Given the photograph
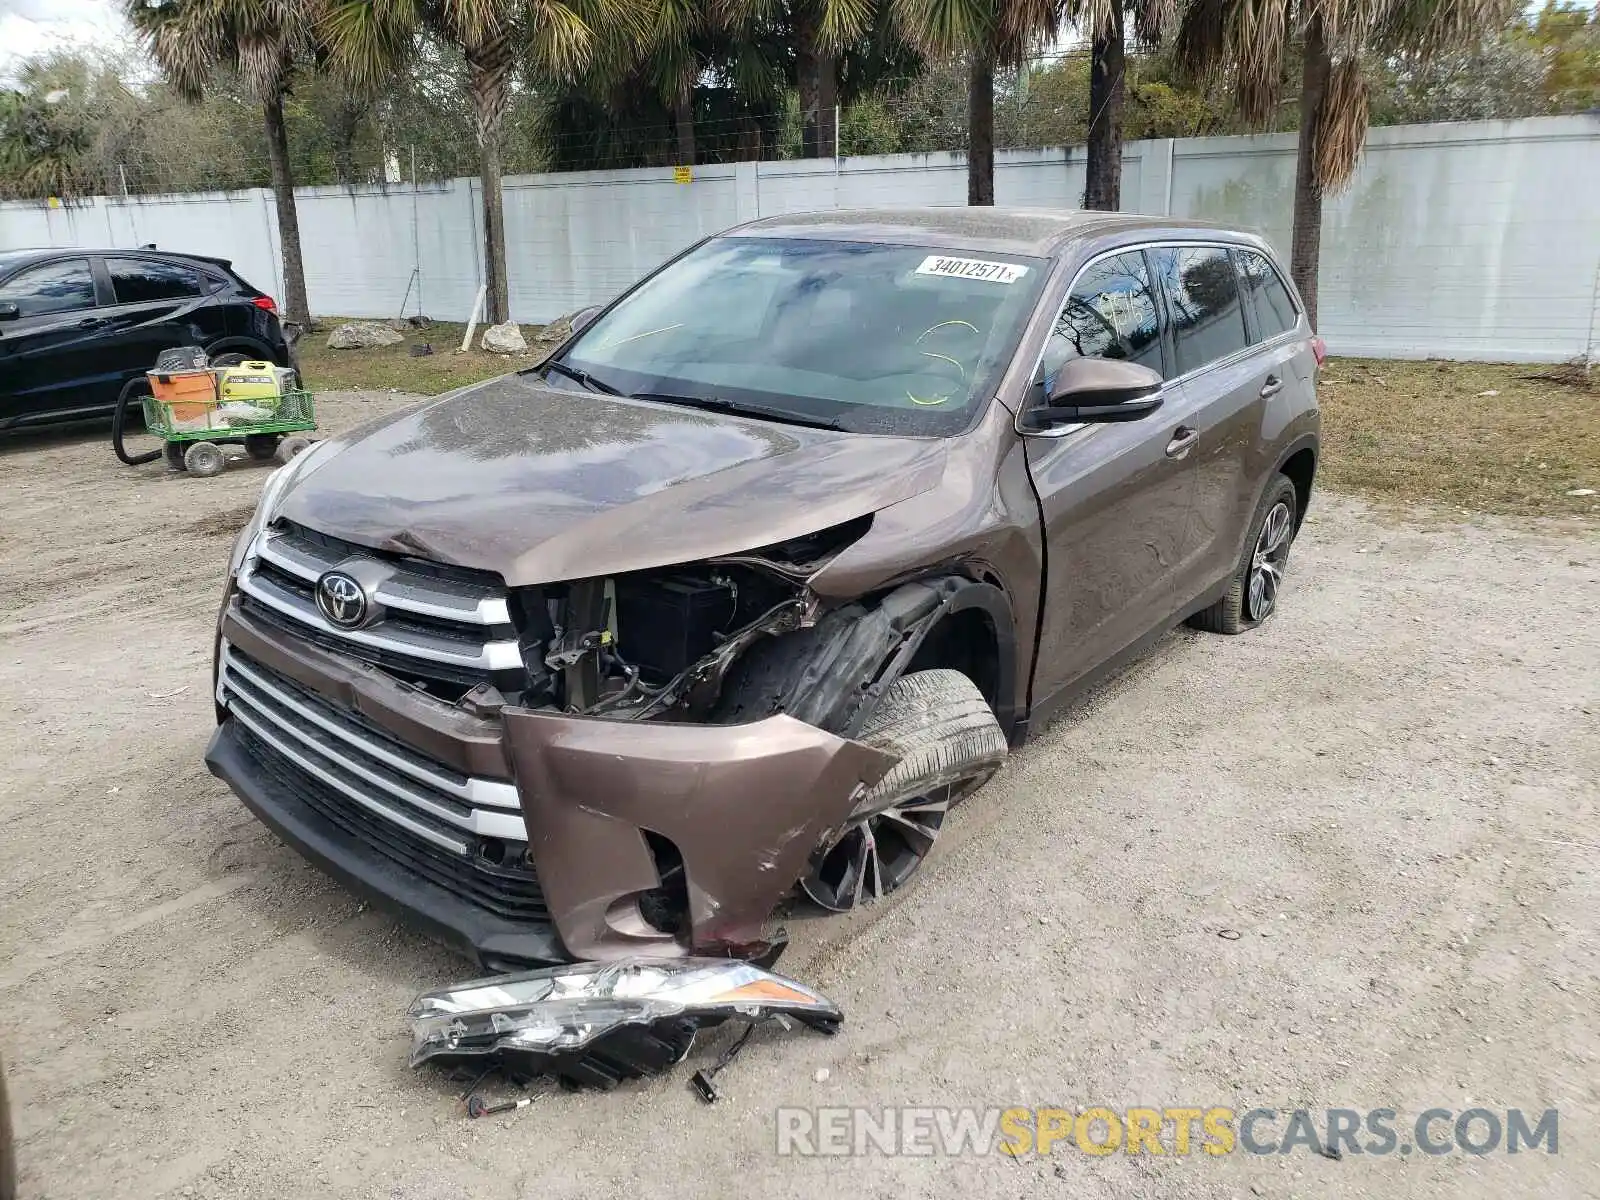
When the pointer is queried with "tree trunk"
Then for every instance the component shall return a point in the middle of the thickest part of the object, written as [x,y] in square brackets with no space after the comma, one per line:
[819,87]
[980,129]
[1306,245]
[683,119]
[1103,184]
[489,68]
[295,307]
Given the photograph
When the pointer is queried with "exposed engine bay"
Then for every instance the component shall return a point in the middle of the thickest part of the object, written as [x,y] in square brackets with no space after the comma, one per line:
[658,644]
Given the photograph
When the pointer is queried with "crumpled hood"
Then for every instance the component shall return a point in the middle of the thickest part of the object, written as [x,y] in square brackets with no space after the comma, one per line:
[538,484]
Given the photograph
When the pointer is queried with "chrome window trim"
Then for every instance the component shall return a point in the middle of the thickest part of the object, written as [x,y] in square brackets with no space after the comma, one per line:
[1300,329]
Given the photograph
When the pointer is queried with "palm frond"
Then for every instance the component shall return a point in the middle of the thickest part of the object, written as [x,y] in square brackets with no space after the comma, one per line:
[369,40]
[1259,34]
[558,38]
[1341,125]
[941,28]
[1426,28]
[843,21]
[1200,47]
[1153,20]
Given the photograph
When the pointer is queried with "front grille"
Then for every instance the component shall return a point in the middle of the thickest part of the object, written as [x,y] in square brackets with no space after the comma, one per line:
[438,625]
[463,834]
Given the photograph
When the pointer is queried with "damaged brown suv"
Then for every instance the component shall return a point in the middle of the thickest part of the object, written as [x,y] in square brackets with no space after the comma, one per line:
[761,572]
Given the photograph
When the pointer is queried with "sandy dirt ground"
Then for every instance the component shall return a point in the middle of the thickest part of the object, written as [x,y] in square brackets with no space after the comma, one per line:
[1390,793]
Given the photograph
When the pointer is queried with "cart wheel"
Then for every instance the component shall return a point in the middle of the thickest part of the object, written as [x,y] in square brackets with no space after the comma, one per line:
[204,459]
[174,452]
[291,446]
[261,446]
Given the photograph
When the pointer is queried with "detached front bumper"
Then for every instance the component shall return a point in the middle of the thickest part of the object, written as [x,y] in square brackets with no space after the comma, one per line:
[524,840]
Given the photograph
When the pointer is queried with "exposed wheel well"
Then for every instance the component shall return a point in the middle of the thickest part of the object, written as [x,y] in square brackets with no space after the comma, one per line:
[1301,468]
[964,641]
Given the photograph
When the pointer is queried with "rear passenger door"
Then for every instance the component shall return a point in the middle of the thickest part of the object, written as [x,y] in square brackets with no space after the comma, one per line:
[153,311]
[1228,385]
[46,338]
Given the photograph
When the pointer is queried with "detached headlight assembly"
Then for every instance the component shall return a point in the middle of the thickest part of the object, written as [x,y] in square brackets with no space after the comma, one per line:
[596,1024]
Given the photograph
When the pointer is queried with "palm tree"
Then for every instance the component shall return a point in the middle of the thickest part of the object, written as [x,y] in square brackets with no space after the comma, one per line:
[1107,19]
[41,155]
[266,42]
[1250,39]
[372,40]
[991,34]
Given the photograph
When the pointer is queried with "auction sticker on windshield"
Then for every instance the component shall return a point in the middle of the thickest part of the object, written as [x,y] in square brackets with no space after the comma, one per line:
[971,268]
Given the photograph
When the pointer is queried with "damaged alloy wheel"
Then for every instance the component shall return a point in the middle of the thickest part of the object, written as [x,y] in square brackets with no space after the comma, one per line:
[949,744]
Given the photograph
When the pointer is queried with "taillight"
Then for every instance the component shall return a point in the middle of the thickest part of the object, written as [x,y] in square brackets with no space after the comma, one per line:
[1320,349]
[268,304]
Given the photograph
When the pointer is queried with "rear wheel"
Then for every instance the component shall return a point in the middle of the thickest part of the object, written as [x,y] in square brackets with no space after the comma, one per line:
[949,745]
[261,446]
[1252,595]
[291,446]
[204,459]
[231,359]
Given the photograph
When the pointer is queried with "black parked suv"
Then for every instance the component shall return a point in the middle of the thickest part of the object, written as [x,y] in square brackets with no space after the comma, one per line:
[75,325]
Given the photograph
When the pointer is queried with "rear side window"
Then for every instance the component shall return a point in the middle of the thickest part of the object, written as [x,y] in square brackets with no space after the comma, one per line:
[139,279]
[1275,311]
[1111,313]
[1203,303]
[53,288]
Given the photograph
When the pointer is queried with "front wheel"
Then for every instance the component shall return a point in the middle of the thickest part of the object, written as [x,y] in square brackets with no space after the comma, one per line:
[1252,595]
[949,744]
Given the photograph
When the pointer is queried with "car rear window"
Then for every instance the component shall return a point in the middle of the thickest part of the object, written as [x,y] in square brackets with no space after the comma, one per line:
[1275,310]
[141,279]
[54,287]
[1202,303]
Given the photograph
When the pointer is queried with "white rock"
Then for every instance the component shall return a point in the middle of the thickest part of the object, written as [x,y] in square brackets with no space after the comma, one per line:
[1581,492]
[362,335]
[504,339]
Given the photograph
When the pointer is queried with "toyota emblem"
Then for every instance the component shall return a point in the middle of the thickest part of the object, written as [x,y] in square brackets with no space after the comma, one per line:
[342,599]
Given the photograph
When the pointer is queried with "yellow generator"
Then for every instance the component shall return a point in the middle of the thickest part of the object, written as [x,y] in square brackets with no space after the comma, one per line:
[260,383]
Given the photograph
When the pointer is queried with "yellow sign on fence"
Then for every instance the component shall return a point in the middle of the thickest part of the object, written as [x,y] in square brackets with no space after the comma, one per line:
[682,174]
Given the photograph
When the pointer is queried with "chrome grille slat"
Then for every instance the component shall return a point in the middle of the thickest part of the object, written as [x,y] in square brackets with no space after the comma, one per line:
[345,757]
[474,792]
[405,591]
[452,649]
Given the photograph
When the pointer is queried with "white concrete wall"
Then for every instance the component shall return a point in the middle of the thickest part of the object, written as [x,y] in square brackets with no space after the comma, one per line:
[1473,240]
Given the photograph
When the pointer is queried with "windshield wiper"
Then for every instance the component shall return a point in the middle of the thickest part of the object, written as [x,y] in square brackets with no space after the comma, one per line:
[718,404]
[583,377]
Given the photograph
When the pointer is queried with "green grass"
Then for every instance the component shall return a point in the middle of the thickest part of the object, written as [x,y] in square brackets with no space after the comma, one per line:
[386,367]
[1394,431]
[1427,432]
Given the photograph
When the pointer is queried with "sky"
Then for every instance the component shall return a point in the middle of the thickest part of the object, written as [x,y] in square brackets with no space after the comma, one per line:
[29,26]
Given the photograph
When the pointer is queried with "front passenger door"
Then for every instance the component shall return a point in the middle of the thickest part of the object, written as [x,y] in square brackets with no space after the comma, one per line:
[48,319]
[1115,497]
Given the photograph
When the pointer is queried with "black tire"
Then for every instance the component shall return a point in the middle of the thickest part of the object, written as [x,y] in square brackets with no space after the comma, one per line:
[174,452]
[261,446]
[1242,607]
[204,459]
[949,744]
[942,728]
[130,397]
[291,446]
[231,358]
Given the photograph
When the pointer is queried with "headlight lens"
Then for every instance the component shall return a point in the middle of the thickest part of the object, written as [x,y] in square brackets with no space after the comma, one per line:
[565,1008]
[271,493]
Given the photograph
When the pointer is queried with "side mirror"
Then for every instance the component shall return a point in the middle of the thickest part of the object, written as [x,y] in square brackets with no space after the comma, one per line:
[584,317]
[10,310]
[1088,390]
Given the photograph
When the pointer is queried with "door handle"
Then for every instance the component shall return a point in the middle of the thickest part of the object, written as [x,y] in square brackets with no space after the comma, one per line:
[1271,387]
[1182,439]
[91,322]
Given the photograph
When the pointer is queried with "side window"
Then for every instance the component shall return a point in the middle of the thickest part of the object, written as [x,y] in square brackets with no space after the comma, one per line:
[138,279]
[53,288]
[1111,313]
[1275,311]
[1203,304]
